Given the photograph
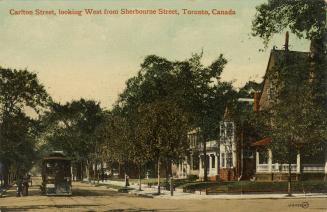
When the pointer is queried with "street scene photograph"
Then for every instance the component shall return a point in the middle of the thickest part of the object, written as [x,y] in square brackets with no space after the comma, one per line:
[172,105]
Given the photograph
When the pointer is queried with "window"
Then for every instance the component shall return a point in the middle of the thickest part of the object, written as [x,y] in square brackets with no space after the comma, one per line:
[192,140]
[229,160]
[195,162]
[207,161]
[263,157]
[227,130]
[202,160]
[213,161]
[222,159]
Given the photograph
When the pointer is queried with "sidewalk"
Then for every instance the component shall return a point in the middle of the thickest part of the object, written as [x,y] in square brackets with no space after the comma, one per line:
[179,194]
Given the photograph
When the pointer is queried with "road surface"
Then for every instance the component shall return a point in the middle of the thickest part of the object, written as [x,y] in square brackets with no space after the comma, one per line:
[89,198]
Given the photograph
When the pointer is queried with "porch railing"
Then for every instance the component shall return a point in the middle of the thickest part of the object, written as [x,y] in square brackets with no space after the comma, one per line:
[313,168]
[283,168]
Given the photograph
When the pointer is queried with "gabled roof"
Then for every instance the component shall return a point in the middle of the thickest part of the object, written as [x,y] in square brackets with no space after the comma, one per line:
[277,57]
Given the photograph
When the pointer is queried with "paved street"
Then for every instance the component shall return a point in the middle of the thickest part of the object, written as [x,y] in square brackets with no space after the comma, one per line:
[89,198]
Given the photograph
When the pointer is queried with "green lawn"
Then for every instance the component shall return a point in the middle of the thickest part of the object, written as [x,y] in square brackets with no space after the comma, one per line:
[109,186]
[154,181]
[144,181]
[248,186]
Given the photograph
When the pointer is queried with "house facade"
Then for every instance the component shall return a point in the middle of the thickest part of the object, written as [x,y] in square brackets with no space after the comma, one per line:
[268,167]
[225,157]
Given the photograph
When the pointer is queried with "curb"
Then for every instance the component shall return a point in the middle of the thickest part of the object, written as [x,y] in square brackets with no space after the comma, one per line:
[141,195]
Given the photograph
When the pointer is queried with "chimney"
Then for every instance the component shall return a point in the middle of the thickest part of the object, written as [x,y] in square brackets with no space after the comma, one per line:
[256,96]
[286,41]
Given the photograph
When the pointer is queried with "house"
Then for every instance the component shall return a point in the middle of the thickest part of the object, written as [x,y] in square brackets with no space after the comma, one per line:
[267,167]
[239,154]
[227,158]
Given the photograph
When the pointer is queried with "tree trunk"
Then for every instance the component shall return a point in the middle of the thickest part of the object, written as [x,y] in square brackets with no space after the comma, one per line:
[158,175]
[140,185]
[101,171]
[97,171]
[170,171]
[81,170]
[205,174]
[289,189]
[88,171]
[5,175]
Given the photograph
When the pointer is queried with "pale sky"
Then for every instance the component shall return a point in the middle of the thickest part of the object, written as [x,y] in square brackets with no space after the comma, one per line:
[93,56]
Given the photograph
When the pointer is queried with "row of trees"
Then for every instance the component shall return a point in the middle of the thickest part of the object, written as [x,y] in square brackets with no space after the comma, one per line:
[148,123]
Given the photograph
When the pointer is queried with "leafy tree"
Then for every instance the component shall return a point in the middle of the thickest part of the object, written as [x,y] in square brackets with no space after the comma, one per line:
[305,18]
[19,90]
[208,98]
[296,117]
[114,137]
[195,89]
[71,127]
[162,128]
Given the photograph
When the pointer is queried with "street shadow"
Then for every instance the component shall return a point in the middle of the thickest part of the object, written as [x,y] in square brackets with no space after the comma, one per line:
[89,192]
[40,207]
[75,206]
[32,191]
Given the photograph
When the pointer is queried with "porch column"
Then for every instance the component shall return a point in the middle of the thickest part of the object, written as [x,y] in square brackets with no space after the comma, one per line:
[234,155]
[210,164]
[217,167]
[256,158]
[72,173]
[191,162]
[269,161]
[200,163]
[298,162]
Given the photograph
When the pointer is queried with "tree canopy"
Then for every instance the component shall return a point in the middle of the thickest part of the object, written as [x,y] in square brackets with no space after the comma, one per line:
[305,18]
[20,90]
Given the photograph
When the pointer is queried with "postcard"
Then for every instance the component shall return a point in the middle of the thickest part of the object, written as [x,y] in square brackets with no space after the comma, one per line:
[171,105]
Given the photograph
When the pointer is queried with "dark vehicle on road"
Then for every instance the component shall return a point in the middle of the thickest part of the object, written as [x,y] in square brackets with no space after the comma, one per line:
[56,175]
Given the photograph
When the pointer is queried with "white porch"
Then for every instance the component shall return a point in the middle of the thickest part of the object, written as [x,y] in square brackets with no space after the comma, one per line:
[212,168]
[270,167]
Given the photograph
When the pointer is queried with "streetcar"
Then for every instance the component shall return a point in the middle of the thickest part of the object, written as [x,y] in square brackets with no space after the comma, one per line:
[56,175]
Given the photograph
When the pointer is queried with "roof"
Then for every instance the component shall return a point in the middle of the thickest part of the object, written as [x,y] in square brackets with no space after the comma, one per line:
[262,142]
[276,57]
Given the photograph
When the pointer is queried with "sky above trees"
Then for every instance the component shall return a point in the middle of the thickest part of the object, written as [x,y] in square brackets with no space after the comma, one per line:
[93,56]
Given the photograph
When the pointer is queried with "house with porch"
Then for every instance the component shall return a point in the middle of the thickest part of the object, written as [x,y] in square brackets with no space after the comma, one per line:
[226,158]
[268,167]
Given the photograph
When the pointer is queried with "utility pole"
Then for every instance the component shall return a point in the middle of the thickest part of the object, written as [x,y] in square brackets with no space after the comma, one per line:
[289,187]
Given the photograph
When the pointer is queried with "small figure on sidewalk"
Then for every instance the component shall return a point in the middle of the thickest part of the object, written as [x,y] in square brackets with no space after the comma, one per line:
[126,180]
[19,183]
[30,178]
[26,185]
